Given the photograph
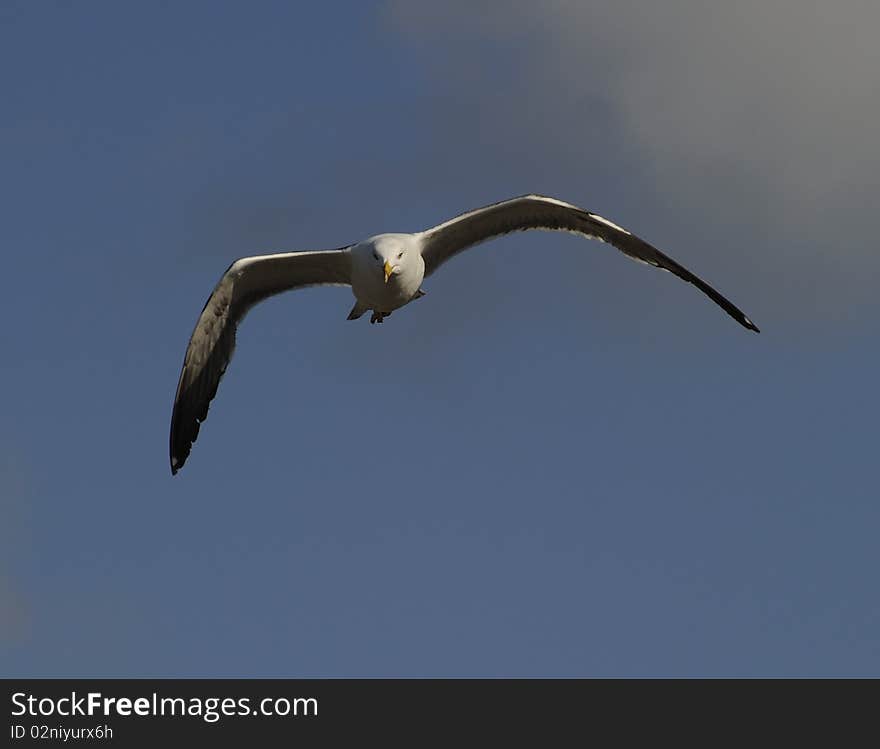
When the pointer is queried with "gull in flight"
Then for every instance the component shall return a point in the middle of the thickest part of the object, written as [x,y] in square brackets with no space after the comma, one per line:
[384,272]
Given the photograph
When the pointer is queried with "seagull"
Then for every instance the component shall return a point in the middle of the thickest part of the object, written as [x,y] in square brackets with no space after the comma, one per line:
[385,272]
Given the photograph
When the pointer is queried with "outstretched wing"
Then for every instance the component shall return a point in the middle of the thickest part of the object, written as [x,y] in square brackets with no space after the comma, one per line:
[539,212]
[246,282]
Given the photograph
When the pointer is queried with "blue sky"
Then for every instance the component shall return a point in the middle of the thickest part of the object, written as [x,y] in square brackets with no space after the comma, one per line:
[558,463]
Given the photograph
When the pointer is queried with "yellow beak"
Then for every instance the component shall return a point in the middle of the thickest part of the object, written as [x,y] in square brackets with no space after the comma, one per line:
[388,271]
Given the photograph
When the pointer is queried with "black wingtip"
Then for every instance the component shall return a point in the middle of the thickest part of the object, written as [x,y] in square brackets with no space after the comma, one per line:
[177,457]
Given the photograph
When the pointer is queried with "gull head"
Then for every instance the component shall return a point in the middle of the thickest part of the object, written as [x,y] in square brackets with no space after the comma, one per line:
[389,256]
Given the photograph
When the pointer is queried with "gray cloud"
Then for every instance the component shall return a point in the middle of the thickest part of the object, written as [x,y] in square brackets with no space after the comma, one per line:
[16,543]
[14,613]
[758,118]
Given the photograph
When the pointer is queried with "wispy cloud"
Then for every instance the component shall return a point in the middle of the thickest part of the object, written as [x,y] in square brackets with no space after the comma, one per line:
[14,611]
[754,121]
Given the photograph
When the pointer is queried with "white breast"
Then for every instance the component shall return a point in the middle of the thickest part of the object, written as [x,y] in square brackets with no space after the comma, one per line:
[368,280]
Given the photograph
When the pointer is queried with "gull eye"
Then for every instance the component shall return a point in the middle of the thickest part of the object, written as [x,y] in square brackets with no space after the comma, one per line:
[375,255]
[400,254]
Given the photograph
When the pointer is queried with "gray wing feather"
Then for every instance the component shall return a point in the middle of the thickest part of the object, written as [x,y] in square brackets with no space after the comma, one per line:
[442,242]
[245,283]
